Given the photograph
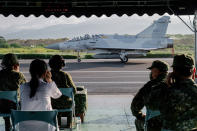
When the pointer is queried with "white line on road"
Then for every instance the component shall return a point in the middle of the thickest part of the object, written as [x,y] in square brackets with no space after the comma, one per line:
[109,77]
[101,71]
[112,82]
[112,71]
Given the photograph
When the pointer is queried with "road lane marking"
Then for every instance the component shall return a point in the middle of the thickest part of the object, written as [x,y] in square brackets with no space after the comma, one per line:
[111,71]
[102,71]
[109,77]
[112,82]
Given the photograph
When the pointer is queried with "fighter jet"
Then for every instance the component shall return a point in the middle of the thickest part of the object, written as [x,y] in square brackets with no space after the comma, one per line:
[121,46]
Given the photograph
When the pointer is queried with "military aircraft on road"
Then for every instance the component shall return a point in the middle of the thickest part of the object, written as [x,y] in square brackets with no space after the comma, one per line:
[121,46]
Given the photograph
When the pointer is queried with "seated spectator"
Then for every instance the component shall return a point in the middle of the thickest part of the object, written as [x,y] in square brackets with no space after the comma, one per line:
[62,80]
[36,95]
[10,79]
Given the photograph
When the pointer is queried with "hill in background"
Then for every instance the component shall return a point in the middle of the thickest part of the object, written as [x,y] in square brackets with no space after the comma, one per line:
[36,42]
[178,39]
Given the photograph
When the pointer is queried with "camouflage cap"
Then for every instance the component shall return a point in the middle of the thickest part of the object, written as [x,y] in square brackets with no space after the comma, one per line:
[183,61]
[161,65]
[9,60]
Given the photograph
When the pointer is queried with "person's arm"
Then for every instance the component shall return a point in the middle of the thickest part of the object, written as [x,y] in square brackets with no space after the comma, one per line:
[21,80]
[138,104]
[156,95]
[71,83]
[55,93]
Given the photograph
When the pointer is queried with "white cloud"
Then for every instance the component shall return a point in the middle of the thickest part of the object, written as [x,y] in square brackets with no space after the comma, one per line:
[32,22]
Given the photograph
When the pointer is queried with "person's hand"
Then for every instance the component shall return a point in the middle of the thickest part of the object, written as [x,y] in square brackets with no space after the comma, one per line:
[141,117]
[170,79]
[48,77]
[16,68]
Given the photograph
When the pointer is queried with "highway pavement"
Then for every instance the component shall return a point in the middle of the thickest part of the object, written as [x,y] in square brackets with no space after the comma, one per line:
[106,76]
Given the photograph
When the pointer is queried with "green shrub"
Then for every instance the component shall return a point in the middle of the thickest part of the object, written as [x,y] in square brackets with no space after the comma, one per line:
[88,57]
[149,55]
[5,45]
[2,40]
[40,56]
[15,45]
[69,57]
[41,45]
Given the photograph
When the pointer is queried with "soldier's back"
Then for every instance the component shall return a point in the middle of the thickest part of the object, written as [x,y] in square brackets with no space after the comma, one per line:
[10,80]
[61,79]
[180,106]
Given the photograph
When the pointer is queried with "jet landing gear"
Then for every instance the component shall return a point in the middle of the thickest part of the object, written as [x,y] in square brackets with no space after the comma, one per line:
[78,57]
[123,58]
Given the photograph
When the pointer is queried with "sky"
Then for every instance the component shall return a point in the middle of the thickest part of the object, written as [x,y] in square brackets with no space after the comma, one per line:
[11,27]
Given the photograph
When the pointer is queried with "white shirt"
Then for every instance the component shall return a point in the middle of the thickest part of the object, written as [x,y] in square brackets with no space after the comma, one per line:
[40,102]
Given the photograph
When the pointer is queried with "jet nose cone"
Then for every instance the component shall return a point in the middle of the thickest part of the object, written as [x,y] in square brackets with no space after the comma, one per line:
[53,46]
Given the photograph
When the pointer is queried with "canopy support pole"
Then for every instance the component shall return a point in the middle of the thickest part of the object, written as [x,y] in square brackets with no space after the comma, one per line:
[185,23]
[195,33]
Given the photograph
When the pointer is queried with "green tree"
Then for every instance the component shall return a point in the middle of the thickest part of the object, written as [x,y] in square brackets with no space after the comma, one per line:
[15,45]
[2,40]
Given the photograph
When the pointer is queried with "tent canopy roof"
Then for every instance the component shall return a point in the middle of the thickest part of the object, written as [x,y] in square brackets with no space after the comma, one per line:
[96,7]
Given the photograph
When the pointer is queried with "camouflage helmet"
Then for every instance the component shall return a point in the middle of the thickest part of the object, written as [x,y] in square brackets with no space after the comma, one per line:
[183,61]
[161,65]
[9,60]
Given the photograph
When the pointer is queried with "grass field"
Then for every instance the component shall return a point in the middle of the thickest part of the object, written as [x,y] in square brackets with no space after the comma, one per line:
[39,50]
[178,49]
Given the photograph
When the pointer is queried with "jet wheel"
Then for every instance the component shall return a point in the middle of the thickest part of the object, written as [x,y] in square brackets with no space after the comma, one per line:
[78,60]
[124,60]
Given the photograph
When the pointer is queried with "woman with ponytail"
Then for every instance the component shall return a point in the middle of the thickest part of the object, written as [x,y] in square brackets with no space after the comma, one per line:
[36,95]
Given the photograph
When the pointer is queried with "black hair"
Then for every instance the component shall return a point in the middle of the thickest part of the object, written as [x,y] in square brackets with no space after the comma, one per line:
[56,62]
[37,69]
[9,60]
[183,71]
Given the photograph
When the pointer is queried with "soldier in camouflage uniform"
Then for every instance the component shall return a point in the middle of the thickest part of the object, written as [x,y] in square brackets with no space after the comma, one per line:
[143,98]
[179,105]
[10,79]
[62,80]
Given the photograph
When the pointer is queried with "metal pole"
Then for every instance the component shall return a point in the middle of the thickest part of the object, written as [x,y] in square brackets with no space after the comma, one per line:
[195,31]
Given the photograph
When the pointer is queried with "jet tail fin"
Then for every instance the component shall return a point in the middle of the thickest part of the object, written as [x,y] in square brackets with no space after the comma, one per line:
[157,29]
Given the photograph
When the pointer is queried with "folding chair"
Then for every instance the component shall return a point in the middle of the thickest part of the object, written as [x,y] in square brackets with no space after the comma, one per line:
[69,93]
[49,117]
[9,95]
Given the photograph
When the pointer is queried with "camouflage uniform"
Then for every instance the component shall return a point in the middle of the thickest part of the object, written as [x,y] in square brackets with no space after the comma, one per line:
[179,106]
[10,81]
[62,80]
[144,98]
